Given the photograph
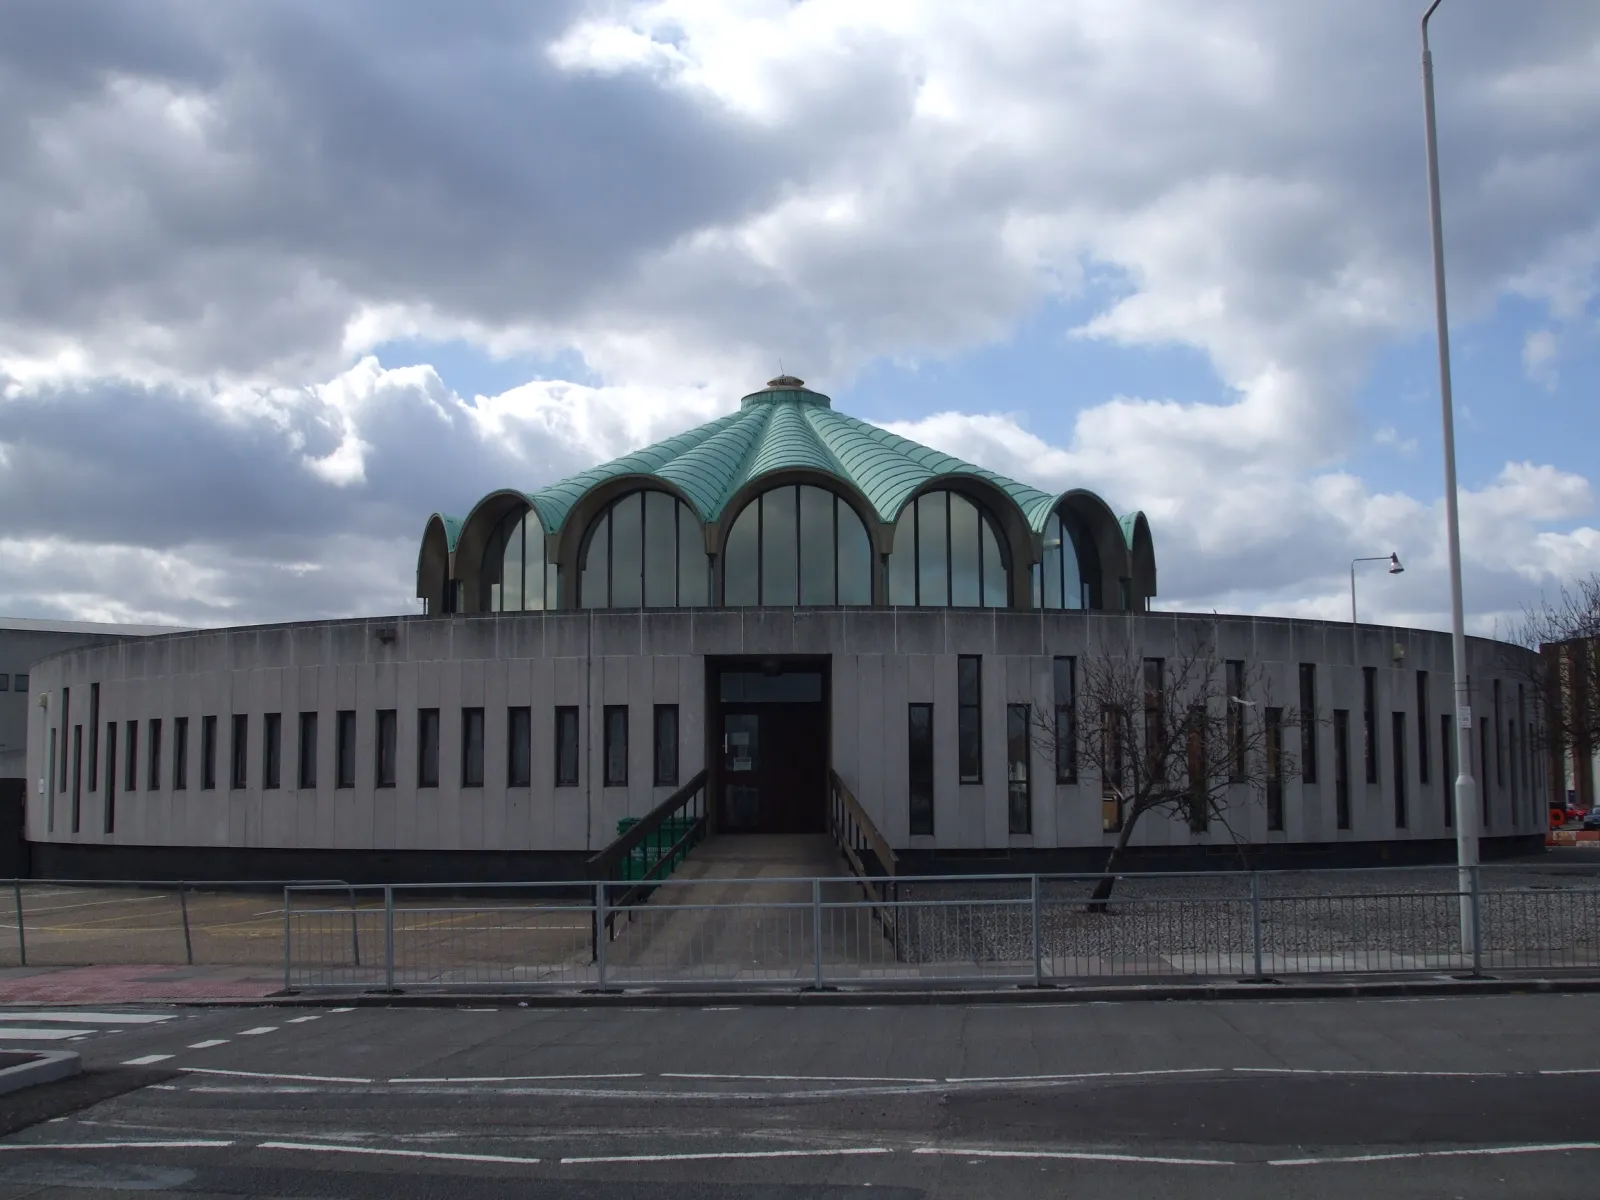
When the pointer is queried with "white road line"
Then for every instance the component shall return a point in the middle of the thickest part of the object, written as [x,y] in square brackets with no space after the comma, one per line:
[259,1029]
[208,1043]
[711,1155]
[1572,1071]
[1475,1151]
[1085,1075]
[799,1078]
[1083,1156]
[282,1089]
[71,1016]
[301,1020]
[1363,1071]
[512,1078]
[146,1060]
[24,1034]
[270,1075]
[441,1154]
[185,1145]
[341,1010]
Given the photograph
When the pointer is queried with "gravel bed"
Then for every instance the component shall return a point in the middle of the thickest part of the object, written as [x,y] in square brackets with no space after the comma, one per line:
[1310,921]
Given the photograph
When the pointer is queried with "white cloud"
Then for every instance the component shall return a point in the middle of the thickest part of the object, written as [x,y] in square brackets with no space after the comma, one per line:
[1539,352]
[211,214]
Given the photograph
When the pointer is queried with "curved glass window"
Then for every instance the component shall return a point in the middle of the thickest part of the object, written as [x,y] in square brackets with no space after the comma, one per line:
[947,553]
[518,576]
[1065,578]
[797,544]
[646,550]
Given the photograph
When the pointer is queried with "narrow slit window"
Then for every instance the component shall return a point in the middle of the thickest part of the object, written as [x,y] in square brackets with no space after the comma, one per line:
[130,758]
[386,748]
[307,750]
[1308,722]
[1019,789]
[566,746]
[615,717]
[472,747]
[180,754]
[153,757]
[666,745]
[271,751]
[969,719]
[238,774]
[1274,737]
[427,747]
[1398,737]
[1066,727]
[920,773]
[208,753]
[1341,767]
[344,749]
[519,746]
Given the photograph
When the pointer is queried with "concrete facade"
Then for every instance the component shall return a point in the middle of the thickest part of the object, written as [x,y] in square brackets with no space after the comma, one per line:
[880,660]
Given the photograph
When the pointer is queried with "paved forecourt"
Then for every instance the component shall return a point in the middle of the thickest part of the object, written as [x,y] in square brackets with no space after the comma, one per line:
[1262,1098]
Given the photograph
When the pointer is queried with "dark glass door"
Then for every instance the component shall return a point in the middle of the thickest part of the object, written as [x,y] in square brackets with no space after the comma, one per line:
[774,768]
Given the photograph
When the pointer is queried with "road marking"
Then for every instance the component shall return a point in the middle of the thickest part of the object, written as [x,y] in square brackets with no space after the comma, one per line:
[1363,1071]
[720,1154]
[441,1154]
[341,1010]
[78,1017]
[282,1089]
[302,1020]
[146,1060]
[162,1087]
[1572,1071]
[509,1079]
[1479,1151]
[23,1034]
[185,1145]
[259,1029]
[208,1043]
[1083,1156]
[799,1078]
[271,1075]
[1085,1075]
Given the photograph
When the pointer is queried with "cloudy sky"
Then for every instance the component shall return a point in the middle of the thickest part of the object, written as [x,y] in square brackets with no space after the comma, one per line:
[279,279]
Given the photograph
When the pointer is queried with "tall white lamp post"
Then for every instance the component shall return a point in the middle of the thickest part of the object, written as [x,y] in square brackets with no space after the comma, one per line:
[1466,789]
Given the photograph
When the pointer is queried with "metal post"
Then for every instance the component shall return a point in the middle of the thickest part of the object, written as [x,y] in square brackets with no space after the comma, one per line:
[1038,964]
[600,934]
[1255,920]
[1477,924]
[816,929]
[388,939]
[1466,790]
[286,895]
[183,906]
[22,939]
[355,936]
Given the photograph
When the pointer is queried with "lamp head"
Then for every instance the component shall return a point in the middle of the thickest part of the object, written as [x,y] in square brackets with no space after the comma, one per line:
[1394,565]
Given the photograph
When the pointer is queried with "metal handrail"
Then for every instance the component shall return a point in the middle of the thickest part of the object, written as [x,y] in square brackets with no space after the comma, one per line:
[853,831]
[603,863]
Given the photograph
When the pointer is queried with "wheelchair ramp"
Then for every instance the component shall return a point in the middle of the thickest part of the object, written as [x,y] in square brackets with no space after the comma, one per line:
[743,906]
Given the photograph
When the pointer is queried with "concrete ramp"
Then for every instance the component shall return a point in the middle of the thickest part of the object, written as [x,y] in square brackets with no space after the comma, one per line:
[752,915]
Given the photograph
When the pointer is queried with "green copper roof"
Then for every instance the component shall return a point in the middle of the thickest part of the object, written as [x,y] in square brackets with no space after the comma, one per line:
[452,530]
[783,427]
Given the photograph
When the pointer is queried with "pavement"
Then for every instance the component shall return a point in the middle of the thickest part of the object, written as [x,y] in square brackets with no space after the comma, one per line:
[1463,1096]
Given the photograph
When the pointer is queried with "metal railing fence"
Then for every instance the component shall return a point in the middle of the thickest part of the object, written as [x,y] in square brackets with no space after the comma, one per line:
[938,930]
[94,922]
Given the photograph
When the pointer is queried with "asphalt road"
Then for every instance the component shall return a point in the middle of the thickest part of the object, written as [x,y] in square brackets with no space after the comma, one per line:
[1468,1097]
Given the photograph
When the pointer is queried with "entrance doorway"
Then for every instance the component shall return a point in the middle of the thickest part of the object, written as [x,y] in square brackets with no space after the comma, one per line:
[771,748]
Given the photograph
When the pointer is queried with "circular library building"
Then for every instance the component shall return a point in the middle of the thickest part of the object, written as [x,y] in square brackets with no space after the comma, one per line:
[774,614]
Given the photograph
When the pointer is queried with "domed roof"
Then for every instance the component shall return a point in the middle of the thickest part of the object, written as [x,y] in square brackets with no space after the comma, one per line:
[782,427]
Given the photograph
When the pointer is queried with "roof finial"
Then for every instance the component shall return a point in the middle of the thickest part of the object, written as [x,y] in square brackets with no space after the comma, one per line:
[784,381]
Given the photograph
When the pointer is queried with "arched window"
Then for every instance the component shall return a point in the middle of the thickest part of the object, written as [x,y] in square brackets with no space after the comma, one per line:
[647,550]
[1067,576]
[514,565]
[797,544]
[947,553]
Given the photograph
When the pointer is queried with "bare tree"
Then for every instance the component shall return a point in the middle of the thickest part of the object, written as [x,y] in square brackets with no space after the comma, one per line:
[1190,735]
[1566,676]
